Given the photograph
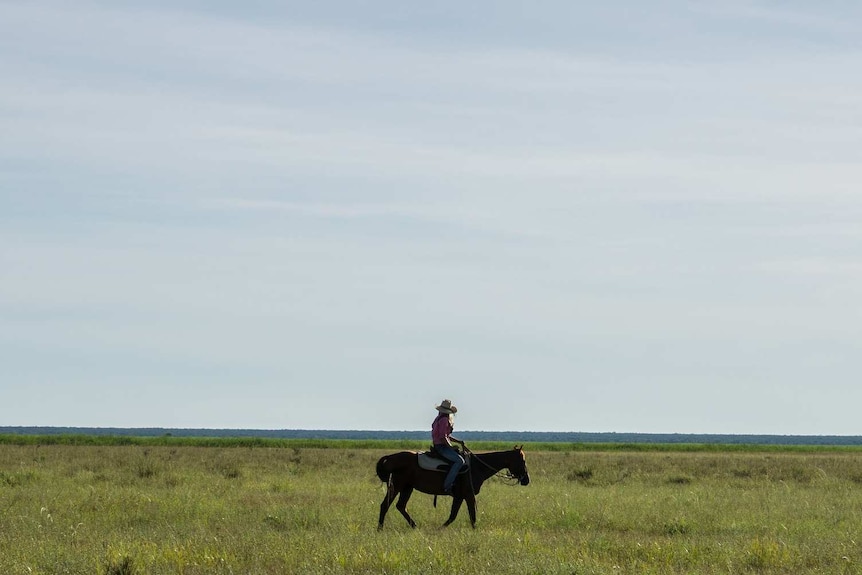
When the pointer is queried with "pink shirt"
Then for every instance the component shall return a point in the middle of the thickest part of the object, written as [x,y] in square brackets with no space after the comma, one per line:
[440,430]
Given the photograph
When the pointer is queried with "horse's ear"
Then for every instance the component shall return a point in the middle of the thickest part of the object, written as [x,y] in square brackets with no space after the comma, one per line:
[519,447]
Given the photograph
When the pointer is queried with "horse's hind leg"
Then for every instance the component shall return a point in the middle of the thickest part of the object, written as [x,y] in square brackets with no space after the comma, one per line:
[387,501]
[402,505]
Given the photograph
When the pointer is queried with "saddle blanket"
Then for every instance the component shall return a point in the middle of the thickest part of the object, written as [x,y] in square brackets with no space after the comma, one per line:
[433,463]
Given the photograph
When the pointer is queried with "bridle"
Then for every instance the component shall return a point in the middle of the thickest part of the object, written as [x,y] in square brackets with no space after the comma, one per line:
[508,477]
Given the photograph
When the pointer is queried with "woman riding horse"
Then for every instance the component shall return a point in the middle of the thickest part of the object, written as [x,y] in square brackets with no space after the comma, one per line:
[442,439]
[402,474]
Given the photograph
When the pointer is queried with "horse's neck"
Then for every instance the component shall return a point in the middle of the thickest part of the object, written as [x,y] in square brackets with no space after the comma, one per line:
[490,463]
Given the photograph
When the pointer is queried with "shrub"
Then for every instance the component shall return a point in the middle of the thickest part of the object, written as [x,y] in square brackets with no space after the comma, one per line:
[122,566]
[582,475]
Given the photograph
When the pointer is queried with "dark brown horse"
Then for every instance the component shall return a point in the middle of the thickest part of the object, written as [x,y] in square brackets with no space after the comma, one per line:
[402,474]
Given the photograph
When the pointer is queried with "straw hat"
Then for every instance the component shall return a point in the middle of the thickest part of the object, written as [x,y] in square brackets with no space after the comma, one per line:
[446,407]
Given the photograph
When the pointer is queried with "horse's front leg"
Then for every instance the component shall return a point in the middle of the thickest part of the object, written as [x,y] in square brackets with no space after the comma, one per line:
[457,500]
[402,505]
[471,508]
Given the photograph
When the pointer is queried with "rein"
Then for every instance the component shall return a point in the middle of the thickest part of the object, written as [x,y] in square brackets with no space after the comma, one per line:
[508,477]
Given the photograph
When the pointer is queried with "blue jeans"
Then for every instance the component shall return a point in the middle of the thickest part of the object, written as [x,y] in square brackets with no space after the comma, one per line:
[450,454]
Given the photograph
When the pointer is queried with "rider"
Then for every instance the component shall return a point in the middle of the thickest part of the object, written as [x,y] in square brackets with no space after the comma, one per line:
[441,436]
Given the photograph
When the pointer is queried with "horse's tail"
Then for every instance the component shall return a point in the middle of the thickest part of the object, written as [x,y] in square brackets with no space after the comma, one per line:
[383,470]
[389,464]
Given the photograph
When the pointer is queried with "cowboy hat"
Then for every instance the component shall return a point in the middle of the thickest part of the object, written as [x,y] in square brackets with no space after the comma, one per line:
[446,407]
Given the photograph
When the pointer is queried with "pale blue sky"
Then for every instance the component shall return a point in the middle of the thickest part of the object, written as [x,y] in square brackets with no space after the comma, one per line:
[564,216]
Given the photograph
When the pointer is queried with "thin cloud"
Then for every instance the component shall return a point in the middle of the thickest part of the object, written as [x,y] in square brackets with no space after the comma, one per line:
[339,211]
[815,268]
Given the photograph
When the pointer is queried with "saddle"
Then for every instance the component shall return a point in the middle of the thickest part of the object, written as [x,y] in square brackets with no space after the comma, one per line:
[431,461]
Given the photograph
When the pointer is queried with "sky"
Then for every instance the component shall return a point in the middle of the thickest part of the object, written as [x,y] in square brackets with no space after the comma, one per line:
[615,216]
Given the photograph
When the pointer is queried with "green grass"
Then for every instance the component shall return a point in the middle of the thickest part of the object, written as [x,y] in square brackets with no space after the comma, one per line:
[291,508]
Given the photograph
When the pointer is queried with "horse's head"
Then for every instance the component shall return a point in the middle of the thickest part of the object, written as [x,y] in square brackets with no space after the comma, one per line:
[518,465]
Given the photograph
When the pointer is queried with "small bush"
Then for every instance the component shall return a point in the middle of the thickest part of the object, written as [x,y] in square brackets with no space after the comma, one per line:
[145,469]
[122,566]
[231,472]
[680,480]
[765,554]
[678,527]
[582,475]
[16,479]
[275,522]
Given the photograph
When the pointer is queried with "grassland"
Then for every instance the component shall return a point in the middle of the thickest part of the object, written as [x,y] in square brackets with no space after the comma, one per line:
[191,508]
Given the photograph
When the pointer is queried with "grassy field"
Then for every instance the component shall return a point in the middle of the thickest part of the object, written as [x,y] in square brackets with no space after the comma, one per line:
[267,509]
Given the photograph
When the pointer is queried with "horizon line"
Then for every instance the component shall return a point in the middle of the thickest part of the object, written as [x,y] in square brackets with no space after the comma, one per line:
[356,430]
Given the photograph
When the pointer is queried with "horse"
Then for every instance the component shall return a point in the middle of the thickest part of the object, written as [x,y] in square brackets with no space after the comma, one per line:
[402,474]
